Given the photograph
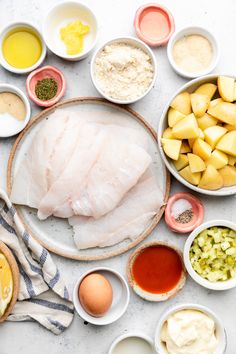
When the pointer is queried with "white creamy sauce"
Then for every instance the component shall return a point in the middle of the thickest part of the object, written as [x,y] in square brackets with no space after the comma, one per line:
[8,124]
[123,71]
[193,53]
[189,332]
[133,345]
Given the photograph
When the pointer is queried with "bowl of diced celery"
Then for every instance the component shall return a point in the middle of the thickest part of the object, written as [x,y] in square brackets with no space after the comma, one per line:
[210,255]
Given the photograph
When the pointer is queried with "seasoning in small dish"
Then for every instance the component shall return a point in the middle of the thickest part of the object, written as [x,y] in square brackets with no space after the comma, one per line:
[183,212]
[46,86]
[156,271]
[154,24]
[46,89]
[14,110]
[193,53]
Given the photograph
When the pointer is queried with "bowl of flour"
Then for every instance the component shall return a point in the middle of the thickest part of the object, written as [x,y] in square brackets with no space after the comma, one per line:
[123,70]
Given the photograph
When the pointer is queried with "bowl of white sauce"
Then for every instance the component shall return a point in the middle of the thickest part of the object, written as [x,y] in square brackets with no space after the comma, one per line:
[132,343]
[190,328]
[14,110]
[123,70]
[193,52]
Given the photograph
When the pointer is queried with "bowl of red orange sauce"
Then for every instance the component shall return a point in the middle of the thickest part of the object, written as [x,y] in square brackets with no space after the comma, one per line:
[156,271]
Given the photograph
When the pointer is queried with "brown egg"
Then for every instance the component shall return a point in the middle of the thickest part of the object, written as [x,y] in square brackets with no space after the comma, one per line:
[95,294]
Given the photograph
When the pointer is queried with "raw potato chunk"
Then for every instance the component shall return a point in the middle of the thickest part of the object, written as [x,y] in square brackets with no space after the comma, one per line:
[174,117]
[228,143]
[235,91]
[218,159]
[207,90]
[231,160]
[199,104]
[214,134]
[168,134]
[214,102]
[182,103]
[192,178]
[226,88]
[206,121]
[171,147]
[187,128]
[181,162]
[202,149]
[211,179]
[196,164]
[228,174]
[201,136]
[224,111]
[185,147]
[230,127]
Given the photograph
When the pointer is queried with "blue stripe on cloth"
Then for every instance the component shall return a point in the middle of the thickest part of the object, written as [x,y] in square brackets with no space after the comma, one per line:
[6,225]
[52,305]
[57,324]
[34,268]
[27,280]
[12,211]
[55,279]
[25,237]
[43,257]
[66,294]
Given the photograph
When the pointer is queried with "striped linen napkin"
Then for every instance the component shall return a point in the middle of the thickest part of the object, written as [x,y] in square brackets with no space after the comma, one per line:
[43,296]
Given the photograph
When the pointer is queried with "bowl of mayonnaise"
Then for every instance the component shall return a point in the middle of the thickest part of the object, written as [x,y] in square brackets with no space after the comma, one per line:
[190,328]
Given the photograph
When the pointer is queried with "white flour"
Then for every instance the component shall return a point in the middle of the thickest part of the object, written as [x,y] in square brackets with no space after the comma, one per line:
[123,71]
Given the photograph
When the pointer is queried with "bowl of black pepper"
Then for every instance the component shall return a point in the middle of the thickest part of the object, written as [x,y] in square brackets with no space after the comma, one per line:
[46,86]
[184,212]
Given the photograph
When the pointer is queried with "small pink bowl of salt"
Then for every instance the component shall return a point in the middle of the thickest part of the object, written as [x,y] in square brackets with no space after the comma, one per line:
[184,212]
[43,73]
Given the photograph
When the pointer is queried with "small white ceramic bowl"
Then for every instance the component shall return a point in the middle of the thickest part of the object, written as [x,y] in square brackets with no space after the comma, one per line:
[163,124]
[11,27]
[120,300]
[60,16]
[136,43]
[20,125]
[220,330]
[220,285]
[131,335]
[190,31]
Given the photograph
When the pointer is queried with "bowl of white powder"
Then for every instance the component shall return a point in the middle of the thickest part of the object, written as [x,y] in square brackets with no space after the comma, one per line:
[123,70]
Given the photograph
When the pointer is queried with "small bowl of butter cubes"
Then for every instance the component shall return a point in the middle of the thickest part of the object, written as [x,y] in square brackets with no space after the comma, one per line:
[210,255]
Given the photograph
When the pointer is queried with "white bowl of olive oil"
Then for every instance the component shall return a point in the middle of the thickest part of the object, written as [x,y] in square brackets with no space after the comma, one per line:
[22,47]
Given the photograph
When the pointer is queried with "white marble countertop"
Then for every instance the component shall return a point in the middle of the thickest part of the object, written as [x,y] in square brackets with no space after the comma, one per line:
[116,19]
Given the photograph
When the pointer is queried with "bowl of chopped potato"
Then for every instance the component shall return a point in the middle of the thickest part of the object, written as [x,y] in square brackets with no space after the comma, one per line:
[210,255]
[197,135]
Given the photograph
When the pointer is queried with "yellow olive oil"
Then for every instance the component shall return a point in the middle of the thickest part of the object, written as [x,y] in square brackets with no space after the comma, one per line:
[22,48]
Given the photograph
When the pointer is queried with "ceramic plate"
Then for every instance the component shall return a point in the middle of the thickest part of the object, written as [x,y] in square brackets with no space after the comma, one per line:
[56,234]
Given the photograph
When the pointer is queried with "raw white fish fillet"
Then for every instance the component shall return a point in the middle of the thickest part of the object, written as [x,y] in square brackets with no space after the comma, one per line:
[56,137]
[57,201]
[118,168]
[31,180]
[128,220]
